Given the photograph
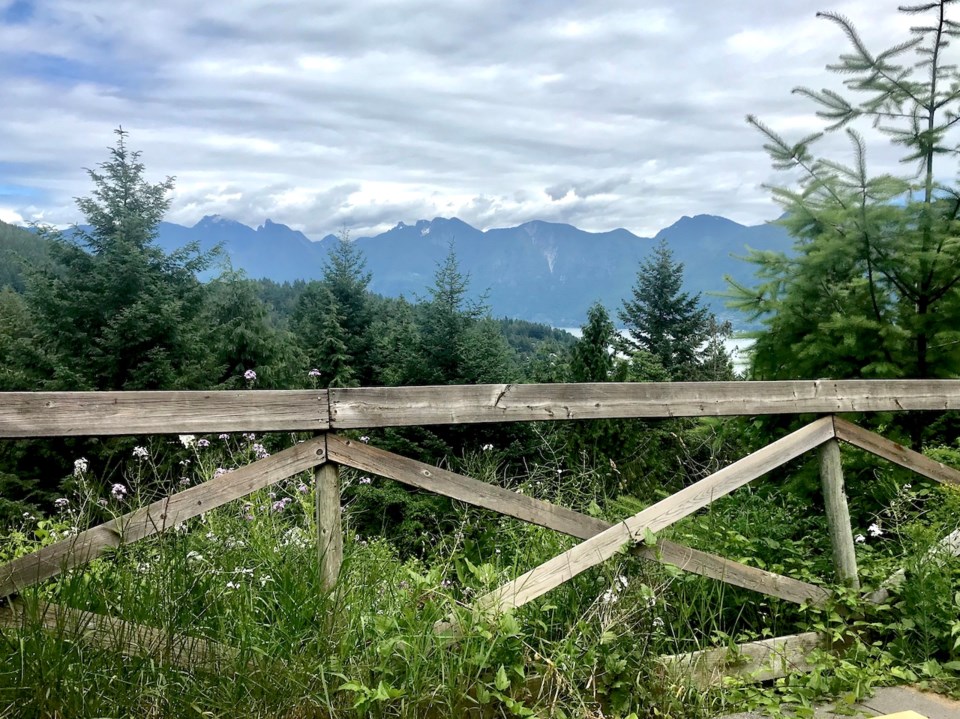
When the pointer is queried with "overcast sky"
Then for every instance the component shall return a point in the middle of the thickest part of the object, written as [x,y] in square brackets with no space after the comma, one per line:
[321,113]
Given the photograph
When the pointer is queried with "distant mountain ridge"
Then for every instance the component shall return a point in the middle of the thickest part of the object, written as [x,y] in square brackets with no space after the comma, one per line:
[541,271]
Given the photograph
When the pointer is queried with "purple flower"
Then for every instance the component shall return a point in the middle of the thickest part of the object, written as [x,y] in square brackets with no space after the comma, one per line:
[366,480]
[118,491]
[249,436]
[250,375]
[302,488]
[281,504]
[224,436]
[203,442]
[260,451]
[61,503]
[313,373]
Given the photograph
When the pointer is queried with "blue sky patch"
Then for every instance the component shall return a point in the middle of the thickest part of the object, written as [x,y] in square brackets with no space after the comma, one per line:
[19,11]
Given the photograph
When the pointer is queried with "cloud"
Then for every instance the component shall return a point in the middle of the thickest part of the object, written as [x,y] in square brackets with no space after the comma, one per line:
[368,112]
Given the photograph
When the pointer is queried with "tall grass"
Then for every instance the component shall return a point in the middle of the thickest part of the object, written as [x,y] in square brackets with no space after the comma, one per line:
[247,576]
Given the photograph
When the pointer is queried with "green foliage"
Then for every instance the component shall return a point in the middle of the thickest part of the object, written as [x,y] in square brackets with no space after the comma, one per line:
[873,288]
[663,320]
[118,313]
[20,250]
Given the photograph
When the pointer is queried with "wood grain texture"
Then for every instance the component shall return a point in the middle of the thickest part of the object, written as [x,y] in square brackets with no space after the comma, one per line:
[162,514]
[362,407]
[456,486]
[838,514]
[601,547]
[753,662]
[896,453]
[61,414]
[126,638]
[735,573]
[326,480]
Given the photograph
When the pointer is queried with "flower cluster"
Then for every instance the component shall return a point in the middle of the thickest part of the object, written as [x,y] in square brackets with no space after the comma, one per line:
[313,373]
[140,452]
[260,451]
[118,491]
[187,440]
[80,466]
[250,375]
[61,503]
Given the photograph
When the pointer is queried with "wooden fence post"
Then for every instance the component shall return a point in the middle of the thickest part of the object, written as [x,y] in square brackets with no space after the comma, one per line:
[329,532]
[838,515]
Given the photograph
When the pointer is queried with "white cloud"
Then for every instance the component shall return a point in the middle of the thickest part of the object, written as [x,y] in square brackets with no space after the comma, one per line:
[367,112]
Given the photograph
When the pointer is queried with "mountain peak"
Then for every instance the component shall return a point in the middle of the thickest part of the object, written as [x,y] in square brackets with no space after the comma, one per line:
[211,220]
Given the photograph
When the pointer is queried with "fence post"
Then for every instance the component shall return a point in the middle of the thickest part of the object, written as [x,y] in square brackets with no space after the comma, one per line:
[326,479]
[838,515]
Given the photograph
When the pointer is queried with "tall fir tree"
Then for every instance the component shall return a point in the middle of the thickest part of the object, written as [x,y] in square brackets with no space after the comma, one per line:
[118,312]
[345,276]
[662,319]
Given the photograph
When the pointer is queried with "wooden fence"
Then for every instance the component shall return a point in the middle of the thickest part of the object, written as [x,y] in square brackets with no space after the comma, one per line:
[324,412]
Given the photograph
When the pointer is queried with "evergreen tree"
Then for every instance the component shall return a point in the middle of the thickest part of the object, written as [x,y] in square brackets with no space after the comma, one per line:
[318,323]
[119,313]
[662,319]
[592,357]
[447,315]
[873,288]
[348,281]
[242,337]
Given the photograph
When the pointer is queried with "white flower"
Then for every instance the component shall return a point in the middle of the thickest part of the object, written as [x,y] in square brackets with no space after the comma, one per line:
[80,466]
[364,439]
[140,452]
[187,440]
[487,447]
[623,581]
[859,539]
[194,556]
[61,503]
[658,622]
[233,585]
[118,491]
[874,530]
[609,597]
[250,375]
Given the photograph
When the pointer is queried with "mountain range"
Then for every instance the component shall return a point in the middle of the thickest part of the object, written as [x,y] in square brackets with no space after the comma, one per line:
[540,271]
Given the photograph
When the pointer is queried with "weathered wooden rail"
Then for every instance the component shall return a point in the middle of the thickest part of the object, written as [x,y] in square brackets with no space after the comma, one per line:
[46,414]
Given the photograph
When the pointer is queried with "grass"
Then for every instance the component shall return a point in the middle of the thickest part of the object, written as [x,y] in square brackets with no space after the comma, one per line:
[247,576]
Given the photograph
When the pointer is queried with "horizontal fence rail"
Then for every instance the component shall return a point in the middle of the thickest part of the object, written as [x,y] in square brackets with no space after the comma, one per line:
[60,414]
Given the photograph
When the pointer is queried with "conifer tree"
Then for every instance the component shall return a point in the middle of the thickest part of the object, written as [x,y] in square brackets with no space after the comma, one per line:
[346,277]
[118,312]
[592,356]
[662,319]
[873,287]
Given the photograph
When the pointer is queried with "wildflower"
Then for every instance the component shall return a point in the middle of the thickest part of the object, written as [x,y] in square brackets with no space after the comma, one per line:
[264,579]
[80,466]
[102,502]
[187,440]
[184,481]
[487,447]
[118,491]
[140,452]
[233,585]
[250,375]
[609,597]
[623,581]
[302,488]
[249,436]
[295,537]
[281,504]
[219,472]
[313,373]
[874,530]
[203,442]
[184,462]
[223,436]
[859,539]
[364,439]
[260,452]
[366,480]
[61,503]
[194,556]
[658,623]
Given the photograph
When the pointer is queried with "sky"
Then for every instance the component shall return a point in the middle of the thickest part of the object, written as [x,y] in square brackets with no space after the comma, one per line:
[360,114]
